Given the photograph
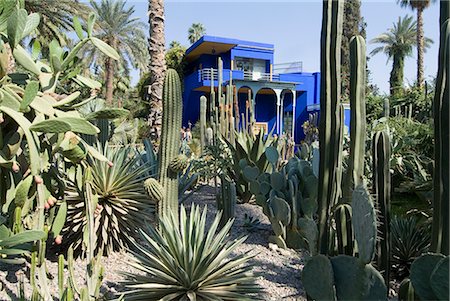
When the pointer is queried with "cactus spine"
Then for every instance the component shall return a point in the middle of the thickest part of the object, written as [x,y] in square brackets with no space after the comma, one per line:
[203,101]
[440,231]
[170,142]
[382,183]
[330,114]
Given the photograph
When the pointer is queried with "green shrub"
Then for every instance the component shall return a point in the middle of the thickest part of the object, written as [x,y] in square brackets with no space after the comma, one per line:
[187,263]
[409,240]
[123,205]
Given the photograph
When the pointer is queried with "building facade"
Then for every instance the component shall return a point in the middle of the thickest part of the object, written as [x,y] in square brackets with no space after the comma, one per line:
[283,94]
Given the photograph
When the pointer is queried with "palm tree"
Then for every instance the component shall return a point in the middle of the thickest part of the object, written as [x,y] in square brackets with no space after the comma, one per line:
[123,32]
[420,6]
[397,44]
[56,18]
[157,68]
[196,31]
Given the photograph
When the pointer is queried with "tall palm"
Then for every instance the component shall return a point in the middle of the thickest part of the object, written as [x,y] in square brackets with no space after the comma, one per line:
[56,18]
[123,32]
[397,44]
[419,6]
[196,31]
[157,68]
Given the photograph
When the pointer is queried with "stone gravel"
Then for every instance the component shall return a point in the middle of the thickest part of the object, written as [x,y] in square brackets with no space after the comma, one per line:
[278,270]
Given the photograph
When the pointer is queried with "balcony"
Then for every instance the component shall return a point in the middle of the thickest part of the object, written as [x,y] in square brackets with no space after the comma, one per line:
[209,74]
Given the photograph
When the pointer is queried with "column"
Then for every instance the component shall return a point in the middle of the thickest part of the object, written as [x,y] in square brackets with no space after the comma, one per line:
[278,95]
[294,102]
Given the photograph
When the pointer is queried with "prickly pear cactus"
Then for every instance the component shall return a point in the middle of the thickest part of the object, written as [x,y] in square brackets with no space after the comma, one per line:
[364,223]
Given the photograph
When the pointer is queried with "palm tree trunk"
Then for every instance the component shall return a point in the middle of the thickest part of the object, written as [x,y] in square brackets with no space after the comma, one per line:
[109,81]
[420,38]
[110,75]
[396,79]
[157,66]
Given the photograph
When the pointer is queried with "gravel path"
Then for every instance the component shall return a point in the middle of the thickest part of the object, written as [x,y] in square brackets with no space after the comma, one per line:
[279,270]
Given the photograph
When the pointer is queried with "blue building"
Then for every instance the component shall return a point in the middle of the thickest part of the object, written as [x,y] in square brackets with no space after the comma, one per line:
[284,95]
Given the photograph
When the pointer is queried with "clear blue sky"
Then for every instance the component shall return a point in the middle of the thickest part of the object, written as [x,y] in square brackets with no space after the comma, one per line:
[294,28]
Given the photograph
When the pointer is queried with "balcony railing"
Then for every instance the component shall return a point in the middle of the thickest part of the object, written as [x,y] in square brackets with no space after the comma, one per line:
[292,67]
[212,74]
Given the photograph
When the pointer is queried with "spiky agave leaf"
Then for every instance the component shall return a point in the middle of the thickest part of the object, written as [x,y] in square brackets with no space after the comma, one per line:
[123,205]
[179,261]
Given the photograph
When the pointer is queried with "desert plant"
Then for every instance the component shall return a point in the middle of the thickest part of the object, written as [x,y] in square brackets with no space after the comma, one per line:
[123,205]
[180,261]
[170,160]
[12,246]
[409,240]
[250,150]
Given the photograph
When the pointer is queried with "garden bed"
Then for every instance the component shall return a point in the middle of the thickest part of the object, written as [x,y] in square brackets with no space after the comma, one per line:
[278,270]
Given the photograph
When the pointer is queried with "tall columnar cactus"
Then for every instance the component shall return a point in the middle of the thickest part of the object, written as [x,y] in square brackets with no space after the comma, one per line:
[355,170]
[203,101]
[330,121]
[381,150]
[170,142]
[441,224]
[358,111]
[226,200]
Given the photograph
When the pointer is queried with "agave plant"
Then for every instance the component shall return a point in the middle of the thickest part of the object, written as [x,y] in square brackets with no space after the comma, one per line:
[185,263]
[409,240]
[123,205]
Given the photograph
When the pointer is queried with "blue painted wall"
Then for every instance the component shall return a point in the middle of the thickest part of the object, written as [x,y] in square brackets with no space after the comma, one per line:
[307,85]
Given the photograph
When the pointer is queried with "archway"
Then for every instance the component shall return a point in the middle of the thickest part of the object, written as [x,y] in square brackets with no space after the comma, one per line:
[287,97]
[266,108]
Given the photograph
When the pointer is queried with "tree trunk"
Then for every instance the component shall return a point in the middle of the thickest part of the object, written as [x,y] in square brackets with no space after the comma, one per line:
[109,84]
[420,42]
[157,67]
[396,79]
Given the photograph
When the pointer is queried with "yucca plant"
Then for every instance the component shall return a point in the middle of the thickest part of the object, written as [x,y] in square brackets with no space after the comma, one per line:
[185,263]
[123,205]
[409,240]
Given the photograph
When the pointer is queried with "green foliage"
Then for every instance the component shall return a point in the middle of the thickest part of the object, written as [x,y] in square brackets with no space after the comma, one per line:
[12,246]
[410,239]
[195,32]
[397,44]
[126,33]
[123,205]
[183,260]
[412,148]
[175,58]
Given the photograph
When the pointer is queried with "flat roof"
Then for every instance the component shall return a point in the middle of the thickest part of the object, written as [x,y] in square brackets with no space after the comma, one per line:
[217,45]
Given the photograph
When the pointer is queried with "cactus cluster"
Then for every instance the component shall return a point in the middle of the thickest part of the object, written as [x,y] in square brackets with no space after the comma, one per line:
[366,282]
[288,197]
